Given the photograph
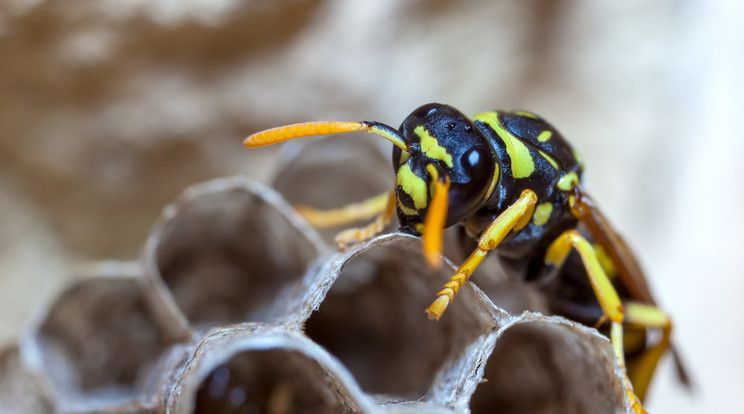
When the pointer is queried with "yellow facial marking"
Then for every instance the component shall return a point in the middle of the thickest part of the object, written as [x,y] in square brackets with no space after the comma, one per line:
[527,114]
[545,135]
[431,147]
[521,161]
[568,182]
[413,185]
[407,211]
[550,160]
[542,214]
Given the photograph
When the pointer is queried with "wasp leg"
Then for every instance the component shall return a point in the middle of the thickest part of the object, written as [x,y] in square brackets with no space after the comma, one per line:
[606,295]
[513,218]
[647,316]
[355,235]
[347,214]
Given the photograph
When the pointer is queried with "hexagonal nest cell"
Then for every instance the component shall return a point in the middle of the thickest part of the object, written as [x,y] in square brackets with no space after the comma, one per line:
[225,251]
[373,319]
[238,305]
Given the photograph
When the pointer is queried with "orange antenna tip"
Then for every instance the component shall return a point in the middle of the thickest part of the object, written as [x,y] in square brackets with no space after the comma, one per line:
[307,129]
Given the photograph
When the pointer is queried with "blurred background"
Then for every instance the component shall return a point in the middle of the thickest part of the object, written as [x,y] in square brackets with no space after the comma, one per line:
[109,108]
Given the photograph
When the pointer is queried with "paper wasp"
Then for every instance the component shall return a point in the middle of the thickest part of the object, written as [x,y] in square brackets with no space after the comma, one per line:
[513,183]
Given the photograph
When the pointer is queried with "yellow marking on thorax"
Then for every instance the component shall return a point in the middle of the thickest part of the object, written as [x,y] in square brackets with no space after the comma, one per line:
[578,158]
[545,135]
[521,161]
[568,182]
[542,214]
[527,114]
[413,185]
[550,160]
[431,147]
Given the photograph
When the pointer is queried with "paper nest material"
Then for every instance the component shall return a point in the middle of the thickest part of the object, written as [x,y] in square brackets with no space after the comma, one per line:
[237,303]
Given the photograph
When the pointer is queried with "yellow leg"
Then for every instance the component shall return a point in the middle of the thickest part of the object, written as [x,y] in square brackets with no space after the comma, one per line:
[355,235]
[643,368]
[347,214]
[606,295]
[515,217]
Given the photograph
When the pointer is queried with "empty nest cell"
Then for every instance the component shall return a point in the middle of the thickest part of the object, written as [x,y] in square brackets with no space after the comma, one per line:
[226,253]
[333,172]
[99,341]
[373,319]
[548,365]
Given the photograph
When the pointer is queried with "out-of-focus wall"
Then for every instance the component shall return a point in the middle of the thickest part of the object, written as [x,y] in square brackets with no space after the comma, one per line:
[108,109]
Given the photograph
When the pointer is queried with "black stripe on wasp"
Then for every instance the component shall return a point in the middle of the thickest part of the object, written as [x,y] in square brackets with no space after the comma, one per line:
[513,183]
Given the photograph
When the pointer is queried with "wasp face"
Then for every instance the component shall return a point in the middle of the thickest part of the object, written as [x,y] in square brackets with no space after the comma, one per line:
[440,135]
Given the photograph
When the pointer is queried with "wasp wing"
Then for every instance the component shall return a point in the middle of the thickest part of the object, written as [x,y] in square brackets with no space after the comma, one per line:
[628,269]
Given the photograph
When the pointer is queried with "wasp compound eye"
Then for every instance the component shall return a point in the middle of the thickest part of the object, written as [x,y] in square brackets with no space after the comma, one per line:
[466,194]
[472,158]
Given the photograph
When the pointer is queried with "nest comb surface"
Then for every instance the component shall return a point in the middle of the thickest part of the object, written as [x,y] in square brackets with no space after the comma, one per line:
[237,305]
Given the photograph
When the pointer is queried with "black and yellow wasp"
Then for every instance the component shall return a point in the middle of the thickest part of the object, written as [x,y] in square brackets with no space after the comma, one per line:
[513,183]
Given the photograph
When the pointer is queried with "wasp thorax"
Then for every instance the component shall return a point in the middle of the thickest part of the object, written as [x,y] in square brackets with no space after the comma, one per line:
[441,135]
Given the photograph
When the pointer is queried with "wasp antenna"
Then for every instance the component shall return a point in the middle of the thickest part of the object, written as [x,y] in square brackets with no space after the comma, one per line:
[436,216]
[389,133]
[308,129]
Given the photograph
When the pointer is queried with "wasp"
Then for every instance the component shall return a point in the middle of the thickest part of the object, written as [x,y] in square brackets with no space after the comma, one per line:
[513,184]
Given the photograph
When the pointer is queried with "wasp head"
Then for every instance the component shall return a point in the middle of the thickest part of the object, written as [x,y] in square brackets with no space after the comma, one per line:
[444,141]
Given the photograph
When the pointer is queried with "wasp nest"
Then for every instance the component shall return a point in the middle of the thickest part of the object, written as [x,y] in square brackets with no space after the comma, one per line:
[238,306]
